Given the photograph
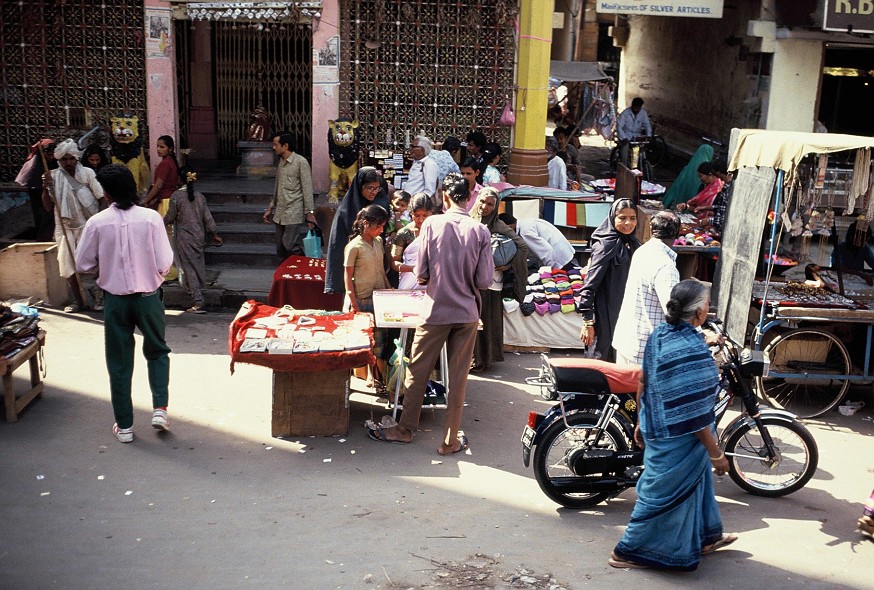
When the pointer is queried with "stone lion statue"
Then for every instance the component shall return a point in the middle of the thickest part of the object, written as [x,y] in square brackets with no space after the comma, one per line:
[343,149]
[127,148]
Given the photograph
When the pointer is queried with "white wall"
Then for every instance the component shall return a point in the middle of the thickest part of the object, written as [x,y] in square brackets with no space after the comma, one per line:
[795,76]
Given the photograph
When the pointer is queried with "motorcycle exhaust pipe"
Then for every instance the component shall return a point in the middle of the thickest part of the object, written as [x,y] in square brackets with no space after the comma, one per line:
[590,485]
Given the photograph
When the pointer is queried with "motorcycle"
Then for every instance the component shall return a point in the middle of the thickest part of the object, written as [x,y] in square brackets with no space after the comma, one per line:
[584,449]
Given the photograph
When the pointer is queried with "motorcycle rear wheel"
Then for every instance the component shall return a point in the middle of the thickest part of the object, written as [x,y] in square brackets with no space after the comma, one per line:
[795,464]
[550,457]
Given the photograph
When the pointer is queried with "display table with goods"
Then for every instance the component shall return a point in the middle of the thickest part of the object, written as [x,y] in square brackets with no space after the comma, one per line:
[402,308]
[311,352]
[21,341]
[300,282]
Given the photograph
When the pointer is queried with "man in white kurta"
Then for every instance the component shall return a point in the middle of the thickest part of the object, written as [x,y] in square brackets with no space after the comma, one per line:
[77,196]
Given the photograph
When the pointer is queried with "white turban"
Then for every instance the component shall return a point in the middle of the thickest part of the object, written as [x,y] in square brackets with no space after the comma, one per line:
[67,147]
[425,144]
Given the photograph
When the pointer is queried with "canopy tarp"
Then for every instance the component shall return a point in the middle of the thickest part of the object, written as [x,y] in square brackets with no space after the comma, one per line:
[784,150]
[577,71]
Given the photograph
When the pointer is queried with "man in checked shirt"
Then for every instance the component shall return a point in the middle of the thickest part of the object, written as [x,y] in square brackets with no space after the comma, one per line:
[652,275]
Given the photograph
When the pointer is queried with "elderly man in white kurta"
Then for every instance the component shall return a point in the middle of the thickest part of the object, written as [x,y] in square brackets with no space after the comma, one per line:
[77,196]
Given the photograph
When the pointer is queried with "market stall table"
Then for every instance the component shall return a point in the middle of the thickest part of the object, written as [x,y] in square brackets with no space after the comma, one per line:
[30,354]
[300,282]
[311,352]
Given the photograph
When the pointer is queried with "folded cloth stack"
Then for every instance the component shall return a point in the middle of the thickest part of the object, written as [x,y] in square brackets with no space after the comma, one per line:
[552,290]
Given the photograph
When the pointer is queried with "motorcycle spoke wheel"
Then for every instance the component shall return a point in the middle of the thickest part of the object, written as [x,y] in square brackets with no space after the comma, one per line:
[751,468]
[805,373]
[551,468]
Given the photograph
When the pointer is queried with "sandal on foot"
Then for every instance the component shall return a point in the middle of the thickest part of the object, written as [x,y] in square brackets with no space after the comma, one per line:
[379,436]
[74,308]
[618,562]
[195,309]
[465,444]
[726,540]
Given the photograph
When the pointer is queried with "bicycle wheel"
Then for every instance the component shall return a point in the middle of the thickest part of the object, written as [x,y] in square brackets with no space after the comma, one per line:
[750,468]
[805,373]
[647,169]
[656,150]
[614,160]
[551,467]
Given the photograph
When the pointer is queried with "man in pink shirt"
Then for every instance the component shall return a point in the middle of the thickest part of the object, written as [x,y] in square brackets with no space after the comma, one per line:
[455,262]
[126,246]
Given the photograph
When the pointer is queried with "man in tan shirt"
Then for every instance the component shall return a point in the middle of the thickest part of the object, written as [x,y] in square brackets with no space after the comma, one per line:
[292,204]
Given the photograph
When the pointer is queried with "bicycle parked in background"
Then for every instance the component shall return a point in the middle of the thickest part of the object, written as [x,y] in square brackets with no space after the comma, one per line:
[645,154]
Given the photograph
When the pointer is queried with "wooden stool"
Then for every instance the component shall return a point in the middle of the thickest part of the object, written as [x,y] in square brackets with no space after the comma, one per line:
[15,405]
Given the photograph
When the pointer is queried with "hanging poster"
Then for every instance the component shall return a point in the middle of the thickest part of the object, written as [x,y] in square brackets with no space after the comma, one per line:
[326,62]
[688,8]
[158,33]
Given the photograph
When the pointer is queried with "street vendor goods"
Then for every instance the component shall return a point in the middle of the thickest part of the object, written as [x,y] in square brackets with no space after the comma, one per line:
[288,339]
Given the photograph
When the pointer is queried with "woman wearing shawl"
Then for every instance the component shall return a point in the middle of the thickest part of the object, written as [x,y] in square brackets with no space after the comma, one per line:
[490,340]
[31,176]
[368,187]
[613,243]
[686,185]
[676,518]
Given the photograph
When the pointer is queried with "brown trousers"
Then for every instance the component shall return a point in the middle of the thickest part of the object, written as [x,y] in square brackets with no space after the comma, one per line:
[427,344]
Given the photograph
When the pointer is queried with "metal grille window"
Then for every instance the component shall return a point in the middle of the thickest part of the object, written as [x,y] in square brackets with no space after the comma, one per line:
[435,67]
[61,60]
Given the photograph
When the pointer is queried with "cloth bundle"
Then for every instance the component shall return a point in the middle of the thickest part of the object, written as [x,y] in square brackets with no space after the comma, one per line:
[552,290]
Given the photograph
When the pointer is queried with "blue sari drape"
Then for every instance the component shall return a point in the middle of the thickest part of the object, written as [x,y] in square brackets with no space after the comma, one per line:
[676,513]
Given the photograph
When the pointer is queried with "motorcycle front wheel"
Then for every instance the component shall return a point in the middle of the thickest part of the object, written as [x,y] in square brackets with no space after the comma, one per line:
[551,467]
[794,465]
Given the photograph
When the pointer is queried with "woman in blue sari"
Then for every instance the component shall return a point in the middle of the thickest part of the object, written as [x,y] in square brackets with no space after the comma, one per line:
[676,519]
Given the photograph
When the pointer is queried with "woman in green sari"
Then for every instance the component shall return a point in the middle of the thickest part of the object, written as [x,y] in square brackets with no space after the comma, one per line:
[686,185]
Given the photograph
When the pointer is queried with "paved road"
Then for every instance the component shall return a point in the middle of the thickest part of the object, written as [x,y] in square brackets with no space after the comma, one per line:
[218,503]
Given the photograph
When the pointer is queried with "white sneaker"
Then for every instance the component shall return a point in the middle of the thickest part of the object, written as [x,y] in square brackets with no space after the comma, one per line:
[160,420]
[124,435]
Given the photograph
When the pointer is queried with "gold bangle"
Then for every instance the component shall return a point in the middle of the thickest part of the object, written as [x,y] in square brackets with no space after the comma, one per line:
[719,458]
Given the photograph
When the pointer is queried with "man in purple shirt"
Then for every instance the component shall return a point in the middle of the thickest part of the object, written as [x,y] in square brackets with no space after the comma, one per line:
[455,262]
[126,246]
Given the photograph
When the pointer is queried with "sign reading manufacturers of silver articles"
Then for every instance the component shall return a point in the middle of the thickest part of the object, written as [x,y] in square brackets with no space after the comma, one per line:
[688,8]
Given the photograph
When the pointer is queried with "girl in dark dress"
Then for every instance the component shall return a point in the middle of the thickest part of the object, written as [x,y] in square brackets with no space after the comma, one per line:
[613,243]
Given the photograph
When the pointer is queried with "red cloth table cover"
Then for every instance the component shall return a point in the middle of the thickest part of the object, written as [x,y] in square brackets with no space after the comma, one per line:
[300,282]
[251,311]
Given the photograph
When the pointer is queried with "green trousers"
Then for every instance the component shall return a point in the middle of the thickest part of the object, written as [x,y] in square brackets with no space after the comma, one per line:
[123,313]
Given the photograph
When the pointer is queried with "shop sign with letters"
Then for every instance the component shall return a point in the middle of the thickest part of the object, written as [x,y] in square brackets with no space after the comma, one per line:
[847,16]
[689,8]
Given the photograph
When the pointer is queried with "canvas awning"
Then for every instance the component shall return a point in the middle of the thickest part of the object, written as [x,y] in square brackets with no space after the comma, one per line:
[784,150]
[577,71]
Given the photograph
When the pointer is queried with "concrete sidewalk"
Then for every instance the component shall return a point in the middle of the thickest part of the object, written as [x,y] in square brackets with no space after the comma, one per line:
[218,503]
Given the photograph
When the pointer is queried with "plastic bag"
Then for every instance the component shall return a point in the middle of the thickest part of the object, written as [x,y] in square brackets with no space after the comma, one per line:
[394,364]
[508,116]
[312,244]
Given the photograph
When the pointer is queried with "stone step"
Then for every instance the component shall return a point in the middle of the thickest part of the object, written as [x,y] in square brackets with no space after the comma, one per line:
[237,212]
[243,198]
[247,233]
[242,255]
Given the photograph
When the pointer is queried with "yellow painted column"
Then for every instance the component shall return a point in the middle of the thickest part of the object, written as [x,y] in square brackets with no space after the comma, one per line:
[528,158]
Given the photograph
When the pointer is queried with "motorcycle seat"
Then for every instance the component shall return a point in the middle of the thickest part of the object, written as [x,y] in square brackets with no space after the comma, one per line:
[594,376]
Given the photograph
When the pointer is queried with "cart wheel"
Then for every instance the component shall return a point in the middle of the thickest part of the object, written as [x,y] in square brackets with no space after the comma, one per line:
[808,372]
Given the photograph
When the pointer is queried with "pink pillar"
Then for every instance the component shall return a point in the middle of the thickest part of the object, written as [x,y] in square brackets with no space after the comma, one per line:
[326,91]
[161,100]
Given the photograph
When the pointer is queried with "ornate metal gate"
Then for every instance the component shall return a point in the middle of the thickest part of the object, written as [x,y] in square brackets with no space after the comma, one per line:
[437,67]
[65,66]
[269,65]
